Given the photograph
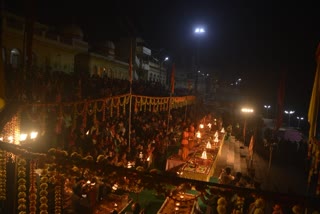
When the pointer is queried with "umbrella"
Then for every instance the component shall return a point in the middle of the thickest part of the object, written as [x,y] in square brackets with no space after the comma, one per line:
[293,135]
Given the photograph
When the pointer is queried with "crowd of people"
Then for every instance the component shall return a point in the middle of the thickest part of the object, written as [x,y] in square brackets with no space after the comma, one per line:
[151,139]
[252,204]
[47,87]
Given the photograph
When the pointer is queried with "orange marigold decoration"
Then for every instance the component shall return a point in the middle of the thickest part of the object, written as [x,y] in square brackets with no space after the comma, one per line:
[3,175]
[32,189]
[43,191]
[58,198]
[22,188]
[55,179]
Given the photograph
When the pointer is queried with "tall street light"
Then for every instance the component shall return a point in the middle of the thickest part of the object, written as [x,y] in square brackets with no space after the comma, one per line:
[246,112]
[267,107]
[160,67]
[198,31]
[289,115]
[299,119]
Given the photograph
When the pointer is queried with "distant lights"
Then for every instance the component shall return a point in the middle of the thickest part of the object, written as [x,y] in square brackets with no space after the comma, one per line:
[10,138]
[115,187]
[33,135]
[237,82]
[289,112]
[23,137]
[247,110]
[198,134]
[199,30]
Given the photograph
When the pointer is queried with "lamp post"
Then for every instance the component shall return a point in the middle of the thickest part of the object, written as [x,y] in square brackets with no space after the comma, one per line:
[299,119]
[289,115]
[248,111]
[160,67]
[267,107]
[198,31]
[245,111]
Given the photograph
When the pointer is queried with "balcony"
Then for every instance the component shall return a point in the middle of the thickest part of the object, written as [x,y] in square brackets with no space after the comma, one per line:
[143,50]
[145,66]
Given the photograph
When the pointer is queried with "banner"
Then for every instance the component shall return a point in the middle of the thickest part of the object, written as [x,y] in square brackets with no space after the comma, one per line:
[314,101]
[172,78]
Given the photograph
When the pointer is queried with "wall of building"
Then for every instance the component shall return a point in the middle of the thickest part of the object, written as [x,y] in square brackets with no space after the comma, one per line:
[106,66]
[67,52]
[50,52]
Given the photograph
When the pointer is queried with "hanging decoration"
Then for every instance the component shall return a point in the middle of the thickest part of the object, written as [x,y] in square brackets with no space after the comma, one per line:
[43,191]
[114,106]
[22,186]
[58,198]
[84,114]
[55,178]
[38,113]
[100,106]
[3,175]
[124,103]
[32,188]
[61,163]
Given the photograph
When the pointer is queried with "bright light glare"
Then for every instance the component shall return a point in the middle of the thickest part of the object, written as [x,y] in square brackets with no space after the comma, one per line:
[198,134]
[289,112]
[33,135]
[199,30]
[10,138]
[247,110]
[23,137]
[166,59]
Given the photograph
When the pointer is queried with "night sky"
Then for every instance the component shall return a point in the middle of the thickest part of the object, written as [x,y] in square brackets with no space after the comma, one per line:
[254,40]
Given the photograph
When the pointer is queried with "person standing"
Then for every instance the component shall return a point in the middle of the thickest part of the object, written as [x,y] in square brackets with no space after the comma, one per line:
[185,144]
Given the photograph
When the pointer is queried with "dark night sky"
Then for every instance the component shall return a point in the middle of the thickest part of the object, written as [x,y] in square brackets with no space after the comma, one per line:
[254,39]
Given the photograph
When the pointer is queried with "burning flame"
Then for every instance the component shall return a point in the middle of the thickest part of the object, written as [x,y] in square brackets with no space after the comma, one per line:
[208,146]
[204,155]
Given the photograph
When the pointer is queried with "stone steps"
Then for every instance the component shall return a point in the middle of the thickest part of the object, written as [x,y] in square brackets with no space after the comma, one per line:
[233,155]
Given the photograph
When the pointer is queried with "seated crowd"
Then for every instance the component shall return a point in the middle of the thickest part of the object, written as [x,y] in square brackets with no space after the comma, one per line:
[149,140]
